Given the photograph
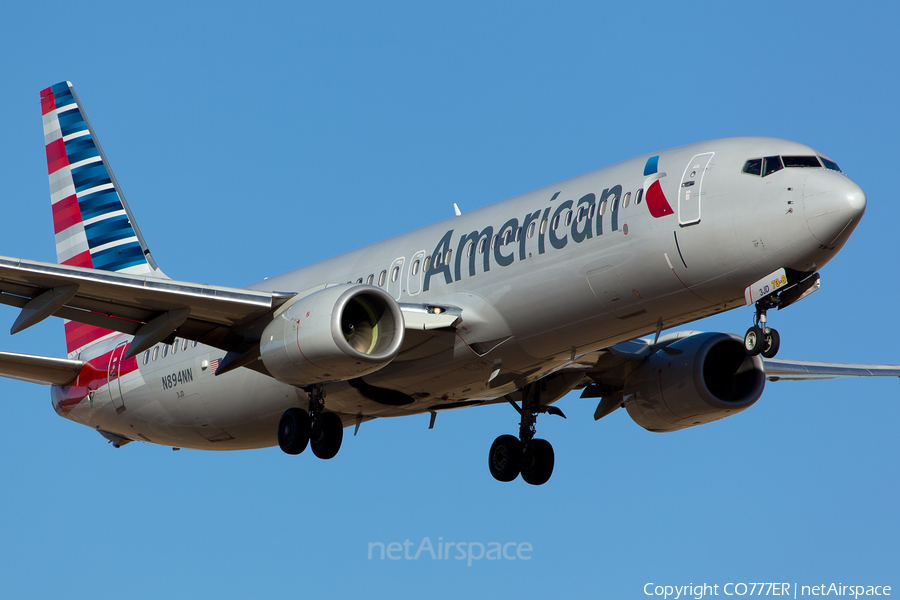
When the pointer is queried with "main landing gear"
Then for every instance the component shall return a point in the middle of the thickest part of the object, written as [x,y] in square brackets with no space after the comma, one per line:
[761,339]
[323,431]
[526,455]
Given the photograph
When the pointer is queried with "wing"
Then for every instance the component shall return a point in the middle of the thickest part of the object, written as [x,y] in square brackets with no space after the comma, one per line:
[39,369]
[146,307]
[799,370]
[606,371]
[151,309]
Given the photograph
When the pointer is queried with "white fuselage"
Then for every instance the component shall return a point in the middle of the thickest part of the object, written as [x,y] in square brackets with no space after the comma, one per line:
[606,274]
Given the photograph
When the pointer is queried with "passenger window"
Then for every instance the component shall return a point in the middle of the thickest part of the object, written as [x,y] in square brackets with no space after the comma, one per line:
[175,346]
[626,200]
[555,223]
[195,343]
[359,280]
[146,357]
[370,278]
[447,257]
[772,164]
[155,353]
[801,161]
[531,229]
[494,242]
[602,210]
[415,269]
[518,234]
[591,210]
[482,246]
[184,344]
[544,226]
[830,164]
[165,350]
[426,266]
[753,167]
[639,196]
[383,277]
[568,218]
[394,273]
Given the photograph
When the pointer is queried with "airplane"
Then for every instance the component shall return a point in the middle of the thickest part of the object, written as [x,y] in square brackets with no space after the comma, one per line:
[568,287]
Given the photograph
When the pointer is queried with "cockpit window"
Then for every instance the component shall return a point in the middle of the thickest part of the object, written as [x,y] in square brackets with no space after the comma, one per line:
[830,164]
[801,161]
[753,166]
[772,164]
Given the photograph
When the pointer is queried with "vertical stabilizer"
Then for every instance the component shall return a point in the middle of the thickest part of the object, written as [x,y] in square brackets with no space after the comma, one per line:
[93,224]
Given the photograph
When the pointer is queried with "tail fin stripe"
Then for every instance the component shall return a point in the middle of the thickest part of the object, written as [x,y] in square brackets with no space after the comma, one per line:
[103,216]
[79,260]
[56,156]
[70,242]
[89,176]
[99,203]
[65,214]
[119,258]
[104,232]
[61,186]
[48,102]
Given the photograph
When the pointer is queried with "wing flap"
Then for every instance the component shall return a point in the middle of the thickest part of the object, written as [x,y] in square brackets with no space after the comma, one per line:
[39,369]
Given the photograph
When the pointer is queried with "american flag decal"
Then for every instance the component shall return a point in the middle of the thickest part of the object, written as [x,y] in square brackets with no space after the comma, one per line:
[214,365]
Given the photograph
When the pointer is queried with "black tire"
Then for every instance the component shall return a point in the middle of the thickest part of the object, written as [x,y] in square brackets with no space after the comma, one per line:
[326,435]
[537,463]
[753,341]
[771,344]
[505,458]
[293,431]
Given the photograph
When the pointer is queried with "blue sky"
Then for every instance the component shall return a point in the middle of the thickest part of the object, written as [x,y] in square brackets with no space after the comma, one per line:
[250,140]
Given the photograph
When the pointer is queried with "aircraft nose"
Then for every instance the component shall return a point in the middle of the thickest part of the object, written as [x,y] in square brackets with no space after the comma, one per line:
[832,205]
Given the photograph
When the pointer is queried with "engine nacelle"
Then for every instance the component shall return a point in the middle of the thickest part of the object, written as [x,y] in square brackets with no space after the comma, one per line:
[335,334]
[711,378]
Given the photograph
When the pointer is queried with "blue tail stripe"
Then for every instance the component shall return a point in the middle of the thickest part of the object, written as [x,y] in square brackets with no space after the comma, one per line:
[71,122]
[110,230]
[98,203]
[89,176]
[120,257]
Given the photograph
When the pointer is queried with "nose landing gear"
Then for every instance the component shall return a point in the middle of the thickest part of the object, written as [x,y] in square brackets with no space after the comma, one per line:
[761,339]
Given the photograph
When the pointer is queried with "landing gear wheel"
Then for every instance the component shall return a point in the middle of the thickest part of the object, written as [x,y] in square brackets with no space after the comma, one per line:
[753,341]
[537,462]
[326,435]
[771,343]
[293,431]
[505,458]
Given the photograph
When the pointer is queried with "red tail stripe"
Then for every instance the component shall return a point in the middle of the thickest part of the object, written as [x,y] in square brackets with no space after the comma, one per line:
[80,260]
[79,335]
[56,156]
[66,213]
[48,101]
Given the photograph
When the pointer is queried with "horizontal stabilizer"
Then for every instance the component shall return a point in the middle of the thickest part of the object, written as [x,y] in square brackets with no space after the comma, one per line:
[39,369]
